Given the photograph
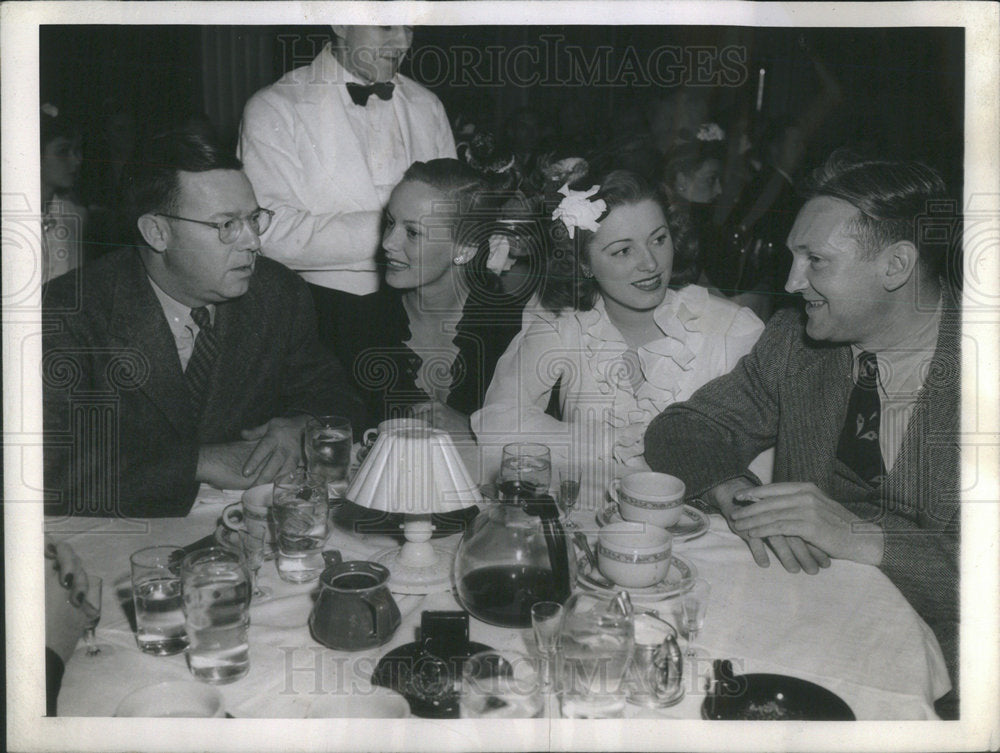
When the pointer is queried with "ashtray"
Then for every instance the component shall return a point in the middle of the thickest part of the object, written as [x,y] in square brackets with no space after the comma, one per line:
[428,672]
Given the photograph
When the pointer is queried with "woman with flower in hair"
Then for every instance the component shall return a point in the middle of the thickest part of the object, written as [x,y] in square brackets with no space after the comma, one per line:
[445,316]
[612,339]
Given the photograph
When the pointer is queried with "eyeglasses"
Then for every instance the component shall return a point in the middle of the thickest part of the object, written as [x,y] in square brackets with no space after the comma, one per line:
[259,220]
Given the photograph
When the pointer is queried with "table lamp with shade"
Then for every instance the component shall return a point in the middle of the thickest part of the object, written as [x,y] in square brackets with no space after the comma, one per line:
[416,472]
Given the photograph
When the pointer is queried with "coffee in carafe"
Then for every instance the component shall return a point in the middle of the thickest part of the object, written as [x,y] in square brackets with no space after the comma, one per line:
[513,556]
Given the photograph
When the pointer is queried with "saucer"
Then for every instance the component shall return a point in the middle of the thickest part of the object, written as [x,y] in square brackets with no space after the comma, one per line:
[693,523]
[680,576]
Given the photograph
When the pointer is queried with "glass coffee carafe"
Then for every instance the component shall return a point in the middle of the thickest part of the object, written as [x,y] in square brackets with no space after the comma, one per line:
[513,556]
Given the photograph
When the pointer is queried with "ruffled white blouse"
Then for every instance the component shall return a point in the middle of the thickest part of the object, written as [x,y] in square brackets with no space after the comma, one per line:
[604,415]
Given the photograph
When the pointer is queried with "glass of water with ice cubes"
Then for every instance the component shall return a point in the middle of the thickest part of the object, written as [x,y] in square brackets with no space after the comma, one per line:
[328,442]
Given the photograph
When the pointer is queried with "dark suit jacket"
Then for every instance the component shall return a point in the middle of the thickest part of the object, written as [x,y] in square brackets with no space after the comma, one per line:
[791,392]
[121,437]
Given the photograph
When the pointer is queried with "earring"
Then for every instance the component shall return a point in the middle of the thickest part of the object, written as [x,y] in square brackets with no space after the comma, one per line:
[586,272]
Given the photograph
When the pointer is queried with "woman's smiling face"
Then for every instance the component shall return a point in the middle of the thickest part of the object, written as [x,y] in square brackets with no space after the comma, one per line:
[631,256]
[419,249]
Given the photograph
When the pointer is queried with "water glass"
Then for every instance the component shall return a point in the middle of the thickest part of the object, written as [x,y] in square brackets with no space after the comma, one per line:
[216,588]
[328,441]
[594,649]
[156,593]
[546,622]
[525,471]
[500,685]
[301,520]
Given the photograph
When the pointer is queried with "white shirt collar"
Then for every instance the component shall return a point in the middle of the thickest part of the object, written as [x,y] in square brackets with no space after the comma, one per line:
[178,314]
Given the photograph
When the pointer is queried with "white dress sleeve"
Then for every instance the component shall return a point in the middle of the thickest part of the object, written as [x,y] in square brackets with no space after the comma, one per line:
[514,407]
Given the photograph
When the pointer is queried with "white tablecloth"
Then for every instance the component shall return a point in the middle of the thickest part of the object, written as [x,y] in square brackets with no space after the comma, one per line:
[847,628]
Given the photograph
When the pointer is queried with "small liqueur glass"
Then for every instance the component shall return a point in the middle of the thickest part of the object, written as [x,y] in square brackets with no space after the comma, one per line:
[546,622]
[254,546]
[569,491]
[694,604]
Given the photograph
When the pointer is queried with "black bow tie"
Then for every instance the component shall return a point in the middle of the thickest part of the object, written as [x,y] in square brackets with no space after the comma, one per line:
[360,93]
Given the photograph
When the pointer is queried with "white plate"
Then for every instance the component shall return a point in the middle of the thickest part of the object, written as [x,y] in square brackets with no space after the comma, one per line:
[680,576]
[693,522]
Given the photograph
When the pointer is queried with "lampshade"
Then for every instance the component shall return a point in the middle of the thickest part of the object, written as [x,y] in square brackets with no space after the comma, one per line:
[414,471]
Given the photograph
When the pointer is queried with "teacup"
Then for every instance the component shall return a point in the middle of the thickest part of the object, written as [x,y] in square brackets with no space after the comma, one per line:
[251,514]
[175,698]
[649,497]
[634,555]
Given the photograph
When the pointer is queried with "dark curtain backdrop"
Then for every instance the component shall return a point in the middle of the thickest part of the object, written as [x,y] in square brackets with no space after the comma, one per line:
[903,87]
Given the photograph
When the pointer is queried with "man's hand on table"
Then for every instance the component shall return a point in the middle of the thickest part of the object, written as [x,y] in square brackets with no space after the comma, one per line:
[267,451]
[800,509]
[221,465]
[278,449]
[793,553]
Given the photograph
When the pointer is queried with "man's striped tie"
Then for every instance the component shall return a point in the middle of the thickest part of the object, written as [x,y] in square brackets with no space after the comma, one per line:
[199,368]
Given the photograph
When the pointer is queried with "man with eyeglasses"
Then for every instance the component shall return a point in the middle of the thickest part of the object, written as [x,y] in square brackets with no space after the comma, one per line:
[187,359]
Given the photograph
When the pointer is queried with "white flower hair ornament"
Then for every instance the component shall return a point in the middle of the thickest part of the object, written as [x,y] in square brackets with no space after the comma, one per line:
[578,211]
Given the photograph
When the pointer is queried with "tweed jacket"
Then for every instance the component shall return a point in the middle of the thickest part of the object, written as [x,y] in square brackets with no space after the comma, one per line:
[121,436]
[792,392]
[305,163]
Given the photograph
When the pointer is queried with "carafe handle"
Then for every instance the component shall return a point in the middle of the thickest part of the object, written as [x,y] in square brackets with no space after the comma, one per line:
[545,508]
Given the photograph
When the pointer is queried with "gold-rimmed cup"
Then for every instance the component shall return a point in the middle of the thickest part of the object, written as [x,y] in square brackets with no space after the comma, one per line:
[634,555]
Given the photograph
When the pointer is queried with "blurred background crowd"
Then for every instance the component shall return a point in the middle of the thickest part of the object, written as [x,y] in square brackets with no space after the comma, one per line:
[726,121]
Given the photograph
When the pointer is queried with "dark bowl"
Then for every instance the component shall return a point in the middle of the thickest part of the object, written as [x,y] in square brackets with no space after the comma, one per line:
[429,683]
[760,697]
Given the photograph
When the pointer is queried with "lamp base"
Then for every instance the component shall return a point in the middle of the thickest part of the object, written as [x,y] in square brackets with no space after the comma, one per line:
[404,579]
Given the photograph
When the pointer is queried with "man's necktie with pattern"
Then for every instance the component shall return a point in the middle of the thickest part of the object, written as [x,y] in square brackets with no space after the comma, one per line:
[859,447]
[199,368]
[360,92]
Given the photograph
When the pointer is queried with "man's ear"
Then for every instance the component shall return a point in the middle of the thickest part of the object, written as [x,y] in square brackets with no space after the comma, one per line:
[155,231]
[465,253]
[900,260]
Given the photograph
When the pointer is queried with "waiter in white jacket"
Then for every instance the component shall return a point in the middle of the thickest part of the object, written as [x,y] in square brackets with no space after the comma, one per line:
[324,146]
